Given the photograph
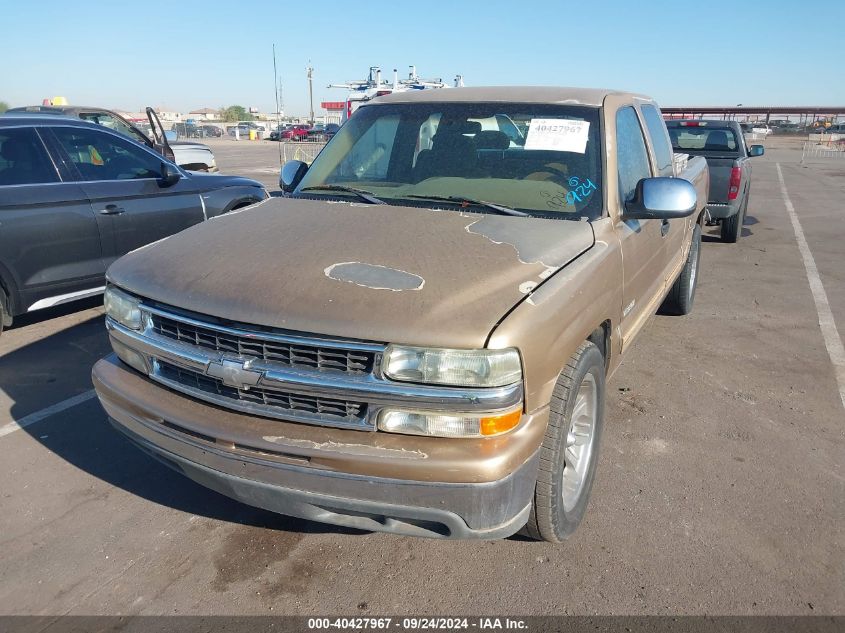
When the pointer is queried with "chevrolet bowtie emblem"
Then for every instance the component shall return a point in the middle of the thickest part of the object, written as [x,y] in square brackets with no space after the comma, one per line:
[234,373]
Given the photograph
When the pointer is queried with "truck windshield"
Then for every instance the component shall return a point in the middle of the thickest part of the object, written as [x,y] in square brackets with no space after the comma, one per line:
[540,159]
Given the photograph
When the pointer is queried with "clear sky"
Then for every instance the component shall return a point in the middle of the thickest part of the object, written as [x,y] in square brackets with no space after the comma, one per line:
[187,55]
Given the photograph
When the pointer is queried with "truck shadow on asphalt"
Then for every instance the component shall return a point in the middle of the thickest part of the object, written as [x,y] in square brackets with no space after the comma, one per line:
[57,367]
[711,233]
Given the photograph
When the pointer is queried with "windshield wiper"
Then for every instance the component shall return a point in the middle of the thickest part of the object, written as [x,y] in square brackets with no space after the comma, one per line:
[464,201]
[364,195]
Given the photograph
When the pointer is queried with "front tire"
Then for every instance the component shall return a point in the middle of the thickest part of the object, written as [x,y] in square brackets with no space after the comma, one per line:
[5,318]
[569,453]
[682,294]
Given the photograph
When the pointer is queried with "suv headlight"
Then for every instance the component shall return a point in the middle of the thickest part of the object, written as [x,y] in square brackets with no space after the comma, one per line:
[452,367]
[123,308]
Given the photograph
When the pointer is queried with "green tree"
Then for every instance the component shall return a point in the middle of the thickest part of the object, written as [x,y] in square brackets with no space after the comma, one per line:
[3,106]
[236,113]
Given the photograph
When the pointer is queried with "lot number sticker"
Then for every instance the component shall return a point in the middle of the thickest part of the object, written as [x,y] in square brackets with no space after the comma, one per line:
[562,135]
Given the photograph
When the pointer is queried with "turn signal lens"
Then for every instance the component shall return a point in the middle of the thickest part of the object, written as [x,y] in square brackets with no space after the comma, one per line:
[500,423]
[437,424]
[129,356]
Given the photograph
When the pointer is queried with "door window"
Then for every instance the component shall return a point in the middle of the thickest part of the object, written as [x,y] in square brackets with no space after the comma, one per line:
[631,155]
[102,156]
[659,140]
[23,159]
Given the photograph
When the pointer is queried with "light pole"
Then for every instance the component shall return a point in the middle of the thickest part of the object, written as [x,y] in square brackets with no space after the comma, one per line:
[311,92]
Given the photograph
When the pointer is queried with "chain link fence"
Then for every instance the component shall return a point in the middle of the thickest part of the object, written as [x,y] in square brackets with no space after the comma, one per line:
[305,151]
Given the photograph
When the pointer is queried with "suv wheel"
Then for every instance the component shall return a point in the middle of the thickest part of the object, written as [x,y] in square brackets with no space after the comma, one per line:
[5,318]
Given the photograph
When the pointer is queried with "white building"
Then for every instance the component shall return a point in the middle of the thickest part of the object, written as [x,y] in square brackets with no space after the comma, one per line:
[166,114]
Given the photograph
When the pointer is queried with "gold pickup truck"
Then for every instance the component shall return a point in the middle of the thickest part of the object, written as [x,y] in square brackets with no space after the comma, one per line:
[417,337]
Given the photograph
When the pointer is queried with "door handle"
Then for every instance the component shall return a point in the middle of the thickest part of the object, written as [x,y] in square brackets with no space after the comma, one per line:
[112,209]
[664,228]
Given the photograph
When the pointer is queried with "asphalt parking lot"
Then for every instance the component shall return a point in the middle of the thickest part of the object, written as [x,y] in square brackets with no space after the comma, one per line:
[720,487]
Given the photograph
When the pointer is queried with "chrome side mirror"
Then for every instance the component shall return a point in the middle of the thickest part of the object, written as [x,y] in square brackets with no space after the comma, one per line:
[661,199]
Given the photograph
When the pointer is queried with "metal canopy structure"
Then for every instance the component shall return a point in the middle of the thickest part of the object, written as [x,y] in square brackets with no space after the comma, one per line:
[757,112]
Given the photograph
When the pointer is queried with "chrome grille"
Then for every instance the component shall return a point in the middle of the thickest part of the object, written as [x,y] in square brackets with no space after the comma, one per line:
[254,345]
[271,402]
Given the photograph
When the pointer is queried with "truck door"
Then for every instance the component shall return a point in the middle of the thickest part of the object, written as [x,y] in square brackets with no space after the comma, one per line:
[49,241]
[674,231]
[123,183]
[643,255]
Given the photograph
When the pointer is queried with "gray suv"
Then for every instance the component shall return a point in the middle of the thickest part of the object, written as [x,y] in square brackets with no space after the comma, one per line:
[75,196]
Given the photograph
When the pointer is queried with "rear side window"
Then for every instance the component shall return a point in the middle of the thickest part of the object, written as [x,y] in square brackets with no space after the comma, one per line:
[102,156]
[23,159]
[631,155]
[113,123]
[659,139]
[704,139]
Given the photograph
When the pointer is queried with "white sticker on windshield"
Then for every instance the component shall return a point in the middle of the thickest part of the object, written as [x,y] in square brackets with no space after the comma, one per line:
[561,135]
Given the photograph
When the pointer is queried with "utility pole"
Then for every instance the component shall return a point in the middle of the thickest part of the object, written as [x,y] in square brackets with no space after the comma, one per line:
[311,92]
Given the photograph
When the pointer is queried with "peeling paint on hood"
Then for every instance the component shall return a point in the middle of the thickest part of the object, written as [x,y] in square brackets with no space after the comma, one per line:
[312,266]
[533,242]
[374,276]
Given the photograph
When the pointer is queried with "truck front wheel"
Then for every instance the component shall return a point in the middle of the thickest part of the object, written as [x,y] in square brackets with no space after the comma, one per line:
[569,453]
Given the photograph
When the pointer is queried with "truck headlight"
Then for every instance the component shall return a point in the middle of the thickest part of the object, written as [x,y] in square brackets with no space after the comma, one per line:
[123,308]
[447,424]
[453,367]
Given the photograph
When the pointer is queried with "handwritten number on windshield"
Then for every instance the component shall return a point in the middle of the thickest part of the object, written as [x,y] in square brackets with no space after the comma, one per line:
[579,191]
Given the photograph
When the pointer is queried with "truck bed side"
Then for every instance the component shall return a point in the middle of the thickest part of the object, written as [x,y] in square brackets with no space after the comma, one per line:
[697,171]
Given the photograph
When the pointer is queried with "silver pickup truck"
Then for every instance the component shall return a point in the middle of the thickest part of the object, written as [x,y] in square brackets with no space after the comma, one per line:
[721,143]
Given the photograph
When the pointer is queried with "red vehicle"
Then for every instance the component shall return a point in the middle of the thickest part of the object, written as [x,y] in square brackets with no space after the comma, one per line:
[296,133]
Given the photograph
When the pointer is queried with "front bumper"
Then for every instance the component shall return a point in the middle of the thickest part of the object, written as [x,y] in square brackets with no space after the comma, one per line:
[431,487]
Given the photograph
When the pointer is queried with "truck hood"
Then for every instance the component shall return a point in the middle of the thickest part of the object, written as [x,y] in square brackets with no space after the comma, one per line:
[368,272]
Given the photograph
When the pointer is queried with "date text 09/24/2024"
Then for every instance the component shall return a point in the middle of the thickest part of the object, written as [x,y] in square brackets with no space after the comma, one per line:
[417,624]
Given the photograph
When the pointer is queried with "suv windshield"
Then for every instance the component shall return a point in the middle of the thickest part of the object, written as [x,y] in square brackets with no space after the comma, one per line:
[537,158]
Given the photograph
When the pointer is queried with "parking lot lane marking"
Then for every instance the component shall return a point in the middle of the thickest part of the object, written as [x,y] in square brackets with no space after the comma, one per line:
[32,418]
[832,340]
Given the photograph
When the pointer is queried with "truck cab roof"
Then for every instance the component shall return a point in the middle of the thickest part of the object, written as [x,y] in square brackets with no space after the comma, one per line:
[508,94]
